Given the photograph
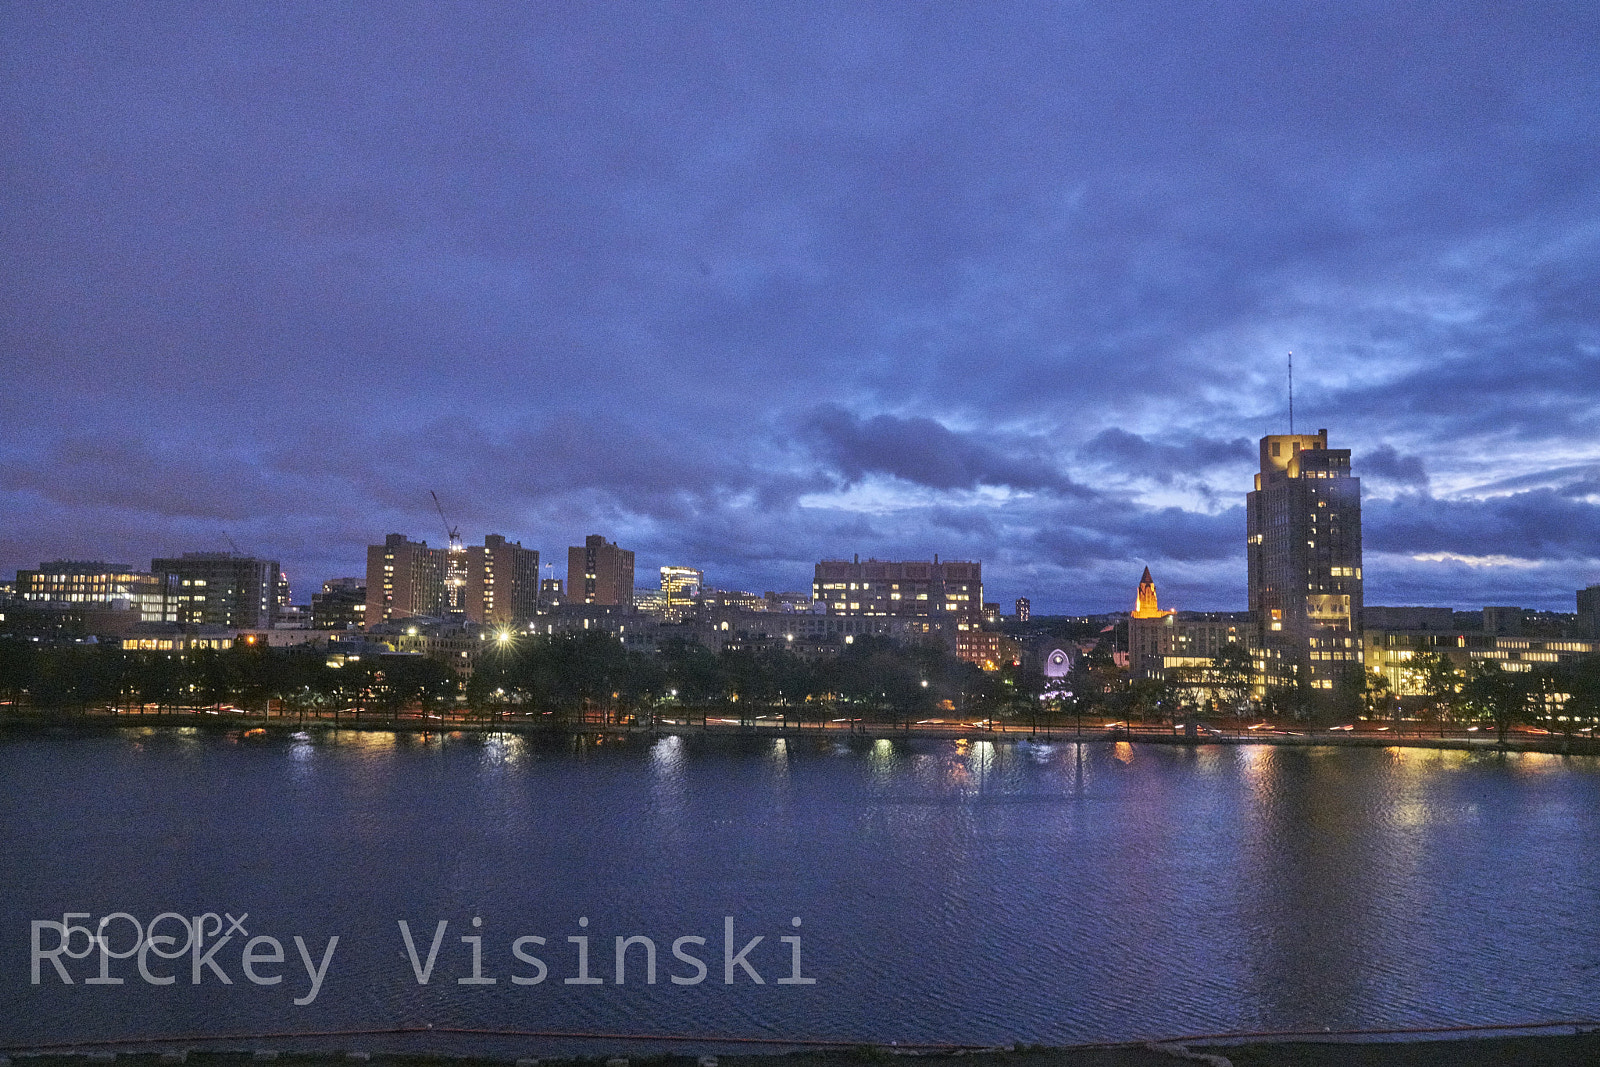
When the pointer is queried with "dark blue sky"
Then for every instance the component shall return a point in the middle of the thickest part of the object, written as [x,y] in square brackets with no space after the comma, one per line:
[747,285]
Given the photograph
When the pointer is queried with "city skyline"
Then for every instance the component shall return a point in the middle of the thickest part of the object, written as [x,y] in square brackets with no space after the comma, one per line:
[745,287]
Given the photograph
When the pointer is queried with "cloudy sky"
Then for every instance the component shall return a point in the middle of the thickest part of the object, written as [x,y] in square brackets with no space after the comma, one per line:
[744,286]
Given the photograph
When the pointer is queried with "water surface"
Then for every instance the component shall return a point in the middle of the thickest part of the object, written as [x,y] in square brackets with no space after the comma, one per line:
[947,891]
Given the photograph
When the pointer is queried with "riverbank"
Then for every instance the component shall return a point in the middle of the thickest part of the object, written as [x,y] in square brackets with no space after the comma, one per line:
[1544,1050]
[841,730]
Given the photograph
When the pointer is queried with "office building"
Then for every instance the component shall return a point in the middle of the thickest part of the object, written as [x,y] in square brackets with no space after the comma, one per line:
[222,589]
[1024,609]
[680,590]
[948,591]
[1304,553]
[94,584]
[342,604]
[598,572]
[502,582]
[404,579]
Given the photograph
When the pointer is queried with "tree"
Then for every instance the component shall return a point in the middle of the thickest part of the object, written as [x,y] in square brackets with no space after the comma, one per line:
[1492,692]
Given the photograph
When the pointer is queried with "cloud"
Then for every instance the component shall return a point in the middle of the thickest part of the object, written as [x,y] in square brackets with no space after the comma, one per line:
[924,452]
[1386,464]
[1162,462]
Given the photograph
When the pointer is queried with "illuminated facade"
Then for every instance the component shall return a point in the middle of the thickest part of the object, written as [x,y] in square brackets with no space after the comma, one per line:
[1304,552]
[502,583]
[1162,640]
[405,578]
[952,590]
[989,651]
[680,588]
[222,589]
[1390,652]
[85,584]
[598,572]
[1024,609]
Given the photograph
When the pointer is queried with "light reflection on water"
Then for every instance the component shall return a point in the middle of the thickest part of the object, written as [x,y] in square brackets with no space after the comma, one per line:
[975,891]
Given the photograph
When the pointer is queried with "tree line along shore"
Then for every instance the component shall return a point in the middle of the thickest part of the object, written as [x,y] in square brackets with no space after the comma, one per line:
[590,679]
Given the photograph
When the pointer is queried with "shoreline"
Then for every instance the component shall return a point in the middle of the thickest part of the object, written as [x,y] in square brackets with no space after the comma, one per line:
[1580,1046]
[858,732]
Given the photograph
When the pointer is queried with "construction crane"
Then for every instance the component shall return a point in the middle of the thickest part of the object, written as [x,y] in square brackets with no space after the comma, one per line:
[455,575]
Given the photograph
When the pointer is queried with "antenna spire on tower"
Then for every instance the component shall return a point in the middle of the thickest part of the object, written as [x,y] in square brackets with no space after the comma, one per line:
[1291,393]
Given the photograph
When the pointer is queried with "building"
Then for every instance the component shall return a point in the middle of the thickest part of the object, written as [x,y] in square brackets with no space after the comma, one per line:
[405,579]
[1162,640]
[1024,609]
[1375,617]
[921,589]
[1589,611]
[680,590]
[552,593]
[222,589]
[502,582]
[342,604]
[988,650]
[84,584]
[1389,652]
[599,572]
[1304,554]
[788,603]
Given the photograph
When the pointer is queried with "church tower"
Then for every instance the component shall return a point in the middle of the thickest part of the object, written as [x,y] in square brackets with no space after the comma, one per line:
[1145,605]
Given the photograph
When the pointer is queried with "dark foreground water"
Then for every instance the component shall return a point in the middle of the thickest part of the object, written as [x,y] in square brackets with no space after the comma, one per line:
[946,891]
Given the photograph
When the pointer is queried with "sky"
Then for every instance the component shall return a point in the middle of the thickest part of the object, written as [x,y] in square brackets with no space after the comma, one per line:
[745,286]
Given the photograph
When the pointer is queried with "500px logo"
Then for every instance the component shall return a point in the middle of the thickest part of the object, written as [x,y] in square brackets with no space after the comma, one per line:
[171,936]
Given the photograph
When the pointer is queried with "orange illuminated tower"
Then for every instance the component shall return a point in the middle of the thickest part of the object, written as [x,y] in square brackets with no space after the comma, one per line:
[1145,605]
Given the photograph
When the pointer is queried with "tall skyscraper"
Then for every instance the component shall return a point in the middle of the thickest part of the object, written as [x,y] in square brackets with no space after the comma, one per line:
[1304,551]
[222,589]
[502,585]
[598,572]
[405,578]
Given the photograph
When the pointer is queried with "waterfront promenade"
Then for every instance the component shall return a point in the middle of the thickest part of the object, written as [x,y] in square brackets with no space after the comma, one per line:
[725,722]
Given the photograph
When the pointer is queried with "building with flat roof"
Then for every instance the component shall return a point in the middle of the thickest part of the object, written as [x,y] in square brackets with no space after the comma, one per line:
[1589,611]
[222,589]
[1024,609]
[598,572]
[342,604]
[502,582]
[680,590]
[88,584]
[1304,553]
[404,579]
[920,589]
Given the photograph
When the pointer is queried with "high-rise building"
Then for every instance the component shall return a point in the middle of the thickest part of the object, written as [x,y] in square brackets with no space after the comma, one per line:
[598,572]
[1304,552]
[222,589]
[502,582]
[952,590]
[552,593]
[680,588]
[341,605]
[1589,611]
[405,578]
[94,583]
[1024,609]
